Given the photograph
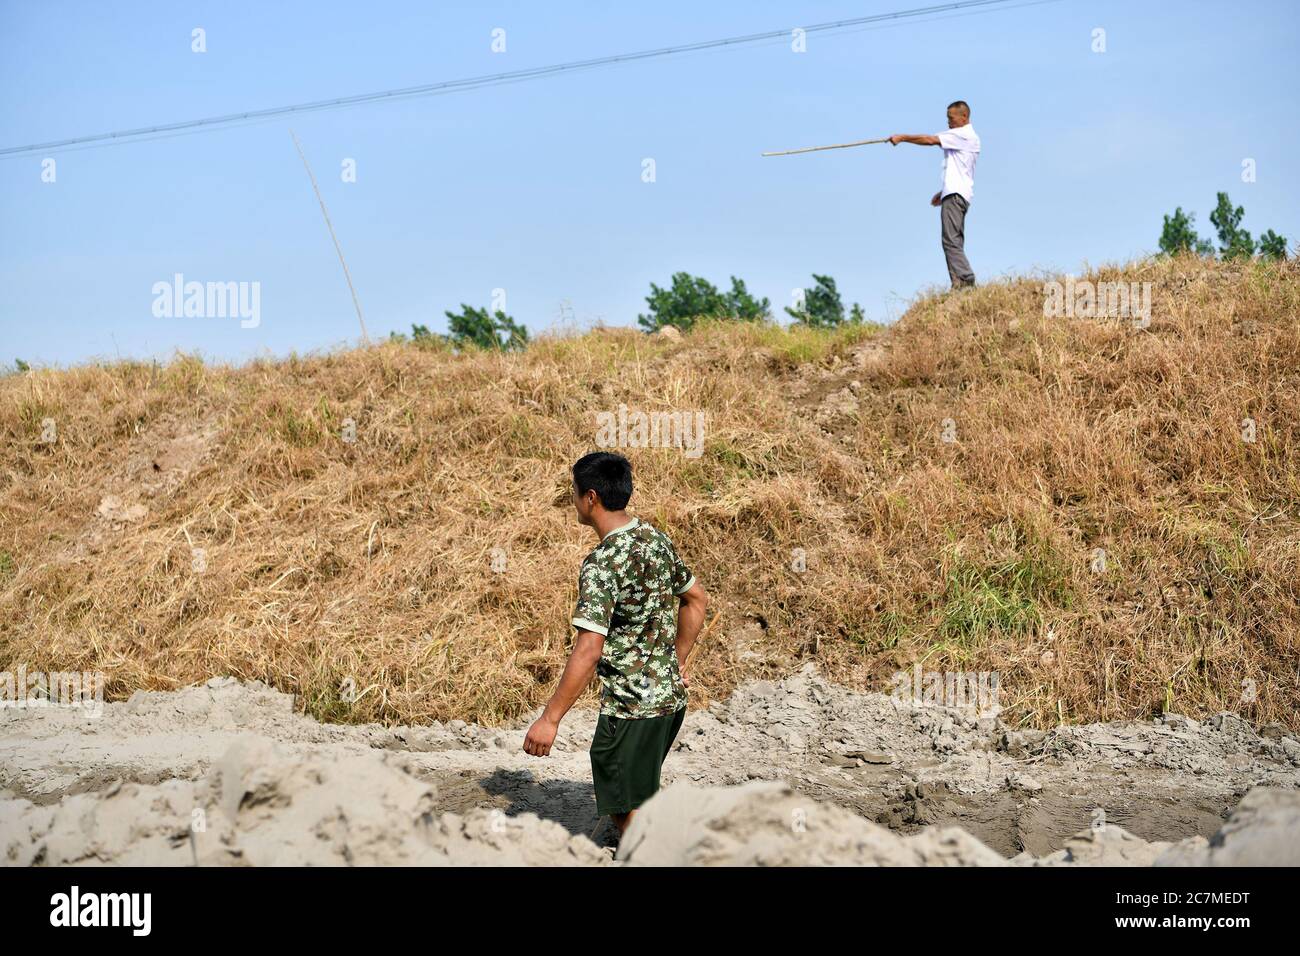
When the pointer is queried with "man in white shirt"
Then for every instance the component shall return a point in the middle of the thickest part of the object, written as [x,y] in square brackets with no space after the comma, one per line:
[961,147]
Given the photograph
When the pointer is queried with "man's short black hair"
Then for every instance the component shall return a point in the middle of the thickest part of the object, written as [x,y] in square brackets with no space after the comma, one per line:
[960,105]
[607,473]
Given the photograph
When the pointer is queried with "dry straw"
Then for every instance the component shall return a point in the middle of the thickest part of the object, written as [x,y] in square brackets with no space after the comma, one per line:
[359,574]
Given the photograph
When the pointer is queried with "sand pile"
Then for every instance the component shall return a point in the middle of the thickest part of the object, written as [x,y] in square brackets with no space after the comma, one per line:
[906,765]
[768,824]
[261,804]
[798,770]
[1263,830]
[805,717]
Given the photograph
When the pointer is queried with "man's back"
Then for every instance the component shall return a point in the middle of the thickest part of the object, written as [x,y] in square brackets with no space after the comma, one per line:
[628,591]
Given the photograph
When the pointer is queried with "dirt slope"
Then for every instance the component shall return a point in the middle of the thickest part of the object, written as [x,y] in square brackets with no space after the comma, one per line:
[328,524]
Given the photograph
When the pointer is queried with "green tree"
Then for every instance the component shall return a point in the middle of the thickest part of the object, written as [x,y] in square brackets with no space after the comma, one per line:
[1234,242]
[421,337]
[1272,246]
[822,307]
[742,305]
[691,298]
[1179,235]
[479,329]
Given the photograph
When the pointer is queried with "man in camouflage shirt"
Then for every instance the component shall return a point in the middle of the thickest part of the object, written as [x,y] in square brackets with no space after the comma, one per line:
[639,611]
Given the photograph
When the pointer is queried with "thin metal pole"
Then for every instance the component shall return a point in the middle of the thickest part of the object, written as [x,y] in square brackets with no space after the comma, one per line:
[814,149]
[329,225]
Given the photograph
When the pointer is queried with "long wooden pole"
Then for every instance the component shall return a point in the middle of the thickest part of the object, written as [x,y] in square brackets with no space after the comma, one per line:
[330,226]
[814,149]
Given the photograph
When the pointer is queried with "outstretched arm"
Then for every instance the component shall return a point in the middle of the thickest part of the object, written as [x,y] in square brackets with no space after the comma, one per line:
[690,618]
[922,139]
[578,673]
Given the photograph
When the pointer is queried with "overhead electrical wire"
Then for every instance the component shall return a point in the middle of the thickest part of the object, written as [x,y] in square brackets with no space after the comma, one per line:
[164,130]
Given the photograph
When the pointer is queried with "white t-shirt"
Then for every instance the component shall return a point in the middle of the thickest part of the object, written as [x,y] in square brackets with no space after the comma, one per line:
[961,147]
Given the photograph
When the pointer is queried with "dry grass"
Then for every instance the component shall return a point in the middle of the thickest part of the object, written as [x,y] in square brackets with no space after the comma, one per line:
[372,561]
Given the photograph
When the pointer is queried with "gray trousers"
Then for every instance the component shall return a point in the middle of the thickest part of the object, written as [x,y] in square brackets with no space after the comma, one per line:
[952,217]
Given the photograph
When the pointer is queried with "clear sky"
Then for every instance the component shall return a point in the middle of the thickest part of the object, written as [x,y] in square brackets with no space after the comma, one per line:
[537,188]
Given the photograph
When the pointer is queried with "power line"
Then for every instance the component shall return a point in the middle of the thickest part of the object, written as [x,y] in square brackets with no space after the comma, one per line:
[476,82]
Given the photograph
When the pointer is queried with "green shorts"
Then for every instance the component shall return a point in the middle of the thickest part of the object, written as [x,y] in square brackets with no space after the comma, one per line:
[626,756]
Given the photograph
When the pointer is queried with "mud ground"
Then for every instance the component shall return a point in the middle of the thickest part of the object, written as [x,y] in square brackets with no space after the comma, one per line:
[229,773]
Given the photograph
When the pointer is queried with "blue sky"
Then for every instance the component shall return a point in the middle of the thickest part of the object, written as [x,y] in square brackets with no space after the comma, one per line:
[536,188]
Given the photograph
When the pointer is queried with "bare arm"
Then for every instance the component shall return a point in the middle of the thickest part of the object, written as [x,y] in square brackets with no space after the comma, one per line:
[690,618]
[578,673]
[921,139]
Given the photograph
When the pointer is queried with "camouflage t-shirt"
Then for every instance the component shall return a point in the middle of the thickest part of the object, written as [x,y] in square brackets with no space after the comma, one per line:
[627,591]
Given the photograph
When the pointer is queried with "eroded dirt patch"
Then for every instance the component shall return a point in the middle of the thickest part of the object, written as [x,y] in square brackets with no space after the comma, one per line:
[157,463]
